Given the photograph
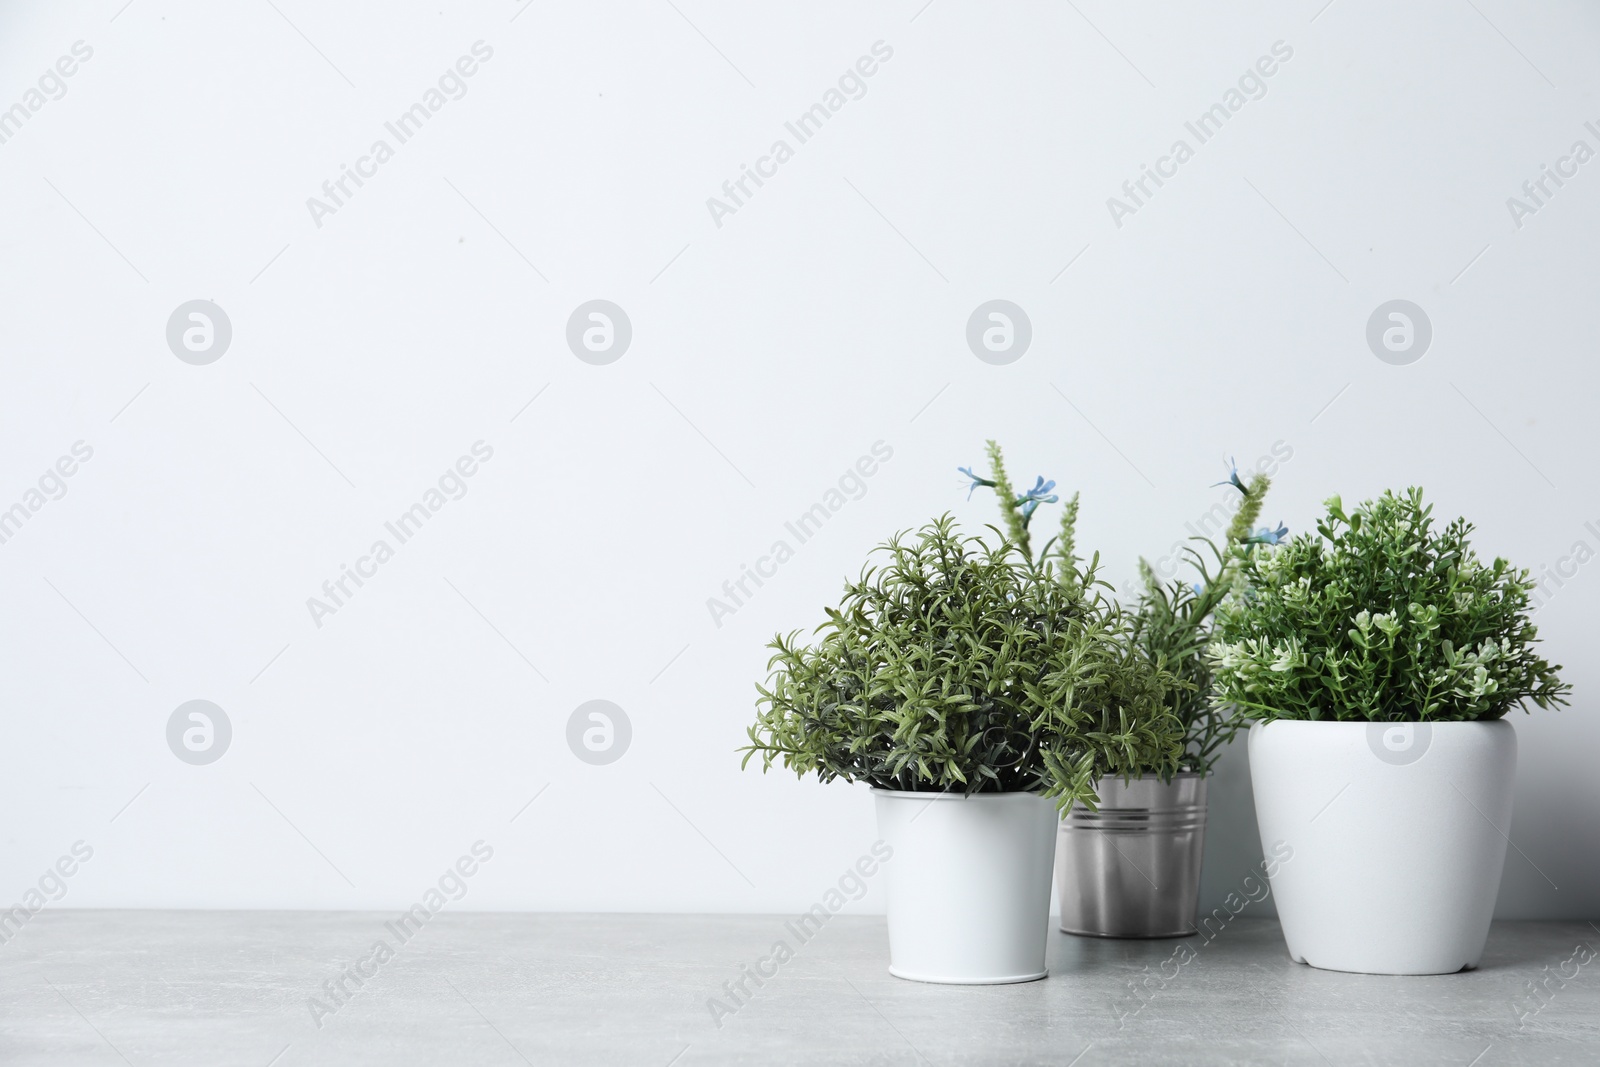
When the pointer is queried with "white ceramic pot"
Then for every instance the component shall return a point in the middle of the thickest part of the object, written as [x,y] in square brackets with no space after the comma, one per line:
[969,888]
[1390,838]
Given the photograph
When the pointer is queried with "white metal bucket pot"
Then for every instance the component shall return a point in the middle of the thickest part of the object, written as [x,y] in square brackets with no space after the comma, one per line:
[969,888]
[1132,869]
[1398,832]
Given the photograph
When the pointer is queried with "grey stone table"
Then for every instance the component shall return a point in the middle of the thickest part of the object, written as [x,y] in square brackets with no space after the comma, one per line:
[247,988]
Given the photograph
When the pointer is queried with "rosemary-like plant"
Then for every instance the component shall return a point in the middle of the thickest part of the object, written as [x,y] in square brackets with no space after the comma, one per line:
[1173,622]
[1058,557]
[956,666]
[1382,618]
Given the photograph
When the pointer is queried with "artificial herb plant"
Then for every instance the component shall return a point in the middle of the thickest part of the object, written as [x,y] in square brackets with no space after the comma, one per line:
[1380,617]
[1017,510]
[957,665]
[1173,623]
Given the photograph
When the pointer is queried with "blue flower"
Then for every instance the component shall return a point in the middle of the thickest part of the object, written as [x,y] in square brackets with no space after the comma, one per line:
[1039,494]
[1198,592]
[1266,536]
[976,481]
[1233,477]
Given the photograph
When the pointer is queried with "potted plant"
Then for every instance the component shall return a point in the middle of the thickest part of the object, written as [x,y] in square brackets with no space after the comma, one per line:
[1128,865]
[975,690]
[1378,660]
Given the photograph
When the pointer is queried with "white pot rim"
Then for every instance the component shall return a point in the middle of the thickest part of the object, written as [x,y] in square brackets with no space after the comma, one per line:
[1357,724]
[919,795]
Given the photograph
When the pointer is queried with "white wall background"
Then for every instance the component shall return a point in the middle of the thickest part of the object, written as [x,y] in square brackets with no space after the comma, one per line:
[1226,315]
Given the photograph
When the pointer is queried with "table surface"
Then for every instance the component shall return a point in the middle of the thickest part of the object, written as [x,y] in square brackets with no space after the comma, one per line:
[223,988]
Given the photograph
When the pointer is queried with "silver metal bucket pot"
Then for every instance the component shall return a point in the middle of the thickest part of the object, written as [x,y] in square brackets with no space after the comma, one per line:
[1132,869]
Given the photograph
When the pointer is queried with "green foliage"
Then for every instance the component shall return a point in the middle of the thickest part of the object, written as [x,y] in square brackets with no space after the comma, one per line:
[1173,622]
[1380,618]
[1059,556]
[1067,540]
[952,665]
[1016,522]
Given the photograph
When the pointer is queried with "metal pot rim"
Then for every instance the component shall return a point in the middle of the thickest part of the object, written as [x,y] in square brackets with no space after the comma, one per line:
[1150,777]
